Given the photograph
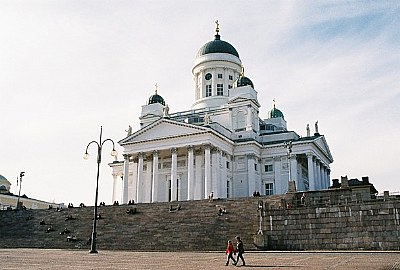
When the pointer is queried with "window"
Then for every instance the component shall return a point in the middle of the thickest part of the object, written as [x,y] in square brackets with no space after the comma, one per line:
[255,166]
[208,90]
[230,86]
[227,165]
[269,189]
[268,168]
[220,89]
[228,188]
[230,77]
[219,76]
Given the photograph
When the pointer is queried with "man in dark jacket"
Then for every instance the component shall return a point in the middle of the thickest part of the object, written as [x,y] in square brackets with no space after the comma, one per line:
[240,251]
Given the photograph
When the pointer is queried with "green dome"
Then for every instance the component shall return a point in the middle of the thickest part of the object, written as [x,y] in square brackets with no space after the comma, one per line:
[275,113]
[156,98]
[243,81]
[217,46]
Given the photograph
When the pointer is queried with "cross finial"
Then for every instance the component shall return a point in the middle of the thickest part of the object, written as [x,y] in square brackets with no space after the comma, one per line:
[274,102]
[242,72]
[217,27]
[156,86]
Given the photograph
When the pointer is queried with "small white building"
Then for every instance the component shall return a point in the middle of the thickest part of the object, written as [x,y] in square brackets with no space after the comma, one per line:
[220,145]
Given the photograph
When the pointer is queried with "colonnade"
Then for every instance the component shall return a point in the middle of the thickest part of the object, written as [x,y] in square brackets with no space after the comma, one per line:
[318,173]
[202,174]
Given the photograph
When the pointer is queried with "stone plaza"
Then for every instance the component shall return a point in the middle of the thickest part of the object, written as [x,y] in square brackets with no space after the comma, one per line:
[12,259]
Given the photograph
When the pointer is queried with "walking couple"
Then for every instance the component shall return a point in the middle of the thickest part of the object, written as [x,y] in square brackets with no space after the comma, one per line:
[230,251]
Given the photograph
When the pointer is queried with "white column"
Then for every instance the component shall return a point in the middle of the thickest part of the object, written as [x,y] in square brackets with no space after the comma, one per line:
[115,185]
[132,194]
[207,171]
[249,121]
[214,168]
[226,84]
[251,174]
[328,176]
[310,166]
[223,176]
[174,175]
[148,180]
[126,180]
[139,179]
[190,177]
[323,183]
[199,180]
[317,175]
[214,82]
[154,187]
[279,186]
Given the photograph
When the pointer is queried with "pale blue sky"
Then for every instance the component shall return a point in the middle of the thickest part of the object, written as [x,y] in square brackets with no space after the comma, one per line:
[67,67]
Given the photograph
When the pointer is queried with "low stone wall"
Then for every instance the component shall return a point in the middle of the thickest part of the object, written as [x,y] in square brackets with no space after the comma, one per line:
[337,220]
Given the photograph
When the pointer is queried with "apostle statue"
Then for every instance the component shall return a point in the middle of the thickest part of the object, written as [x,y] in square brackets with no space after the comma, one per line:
[129,131]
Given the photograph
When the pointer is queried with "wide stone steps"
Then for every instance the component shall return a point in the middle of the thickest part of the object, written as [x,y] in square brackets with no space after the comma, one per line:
[197,226]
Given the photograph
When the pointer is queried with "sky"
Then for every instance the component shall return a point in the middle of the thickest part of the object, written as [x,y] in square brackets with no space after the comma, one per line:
[68,67]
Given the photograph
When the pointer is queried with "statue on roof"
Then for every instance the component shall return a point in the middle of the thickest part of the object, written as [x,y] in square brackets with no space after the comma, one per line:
[316,127]
[166,111]
[129,131]
[308,130]
[206,119]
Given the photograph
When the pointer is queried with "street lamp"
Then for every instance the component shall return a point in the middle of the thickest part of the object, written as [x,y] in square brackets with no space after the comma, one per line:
[86,156]
[21,174]
[288,146]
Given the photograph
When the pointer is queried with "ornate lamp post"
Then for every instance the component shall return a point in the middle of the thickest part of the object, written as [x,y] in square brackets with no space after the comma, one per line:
[86,156]
[21,174]
[288,146]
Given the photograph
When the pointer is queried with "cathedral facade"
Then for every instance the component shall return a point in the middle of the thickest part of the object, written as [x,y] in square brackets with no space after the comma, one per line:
[220,145]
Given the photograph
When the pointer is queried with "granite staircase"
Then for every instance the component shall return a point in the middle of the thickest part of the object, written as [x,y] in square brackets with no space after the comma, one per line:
[196,226]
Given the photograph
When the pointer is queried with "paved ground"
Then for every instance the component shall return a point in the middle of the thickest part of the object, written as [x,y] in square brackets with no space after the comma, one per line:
[68,259]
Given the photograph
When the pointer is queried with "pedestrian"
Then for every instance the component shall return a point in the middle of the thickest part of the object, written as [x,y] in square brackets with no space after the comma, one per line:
[240,251]
[230,250]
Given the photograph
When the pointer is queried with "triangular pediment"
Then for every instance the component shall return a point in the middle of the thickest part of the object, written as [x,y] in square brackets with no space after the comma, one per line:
[161,129]
[323,146]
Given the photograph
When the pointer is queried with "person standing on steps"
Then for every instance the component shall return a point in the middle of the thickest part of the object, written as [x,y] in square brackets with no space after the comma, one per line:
[240,251]
[230,250]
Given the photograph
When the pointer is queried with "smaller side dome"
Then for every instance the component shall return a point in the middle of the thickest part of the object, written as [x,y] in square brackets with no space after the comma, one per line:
[243,81]
[156,98]
[275,113]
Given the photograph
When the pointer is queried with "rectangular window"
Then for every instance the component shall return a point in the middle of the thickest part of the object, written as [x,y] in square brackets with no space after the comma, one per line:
[268,168]
[255,166]
[220,89]
[219,76]
[228,188]
[269,189]
[231,77]
[227,165]
[229,86]
[208,90]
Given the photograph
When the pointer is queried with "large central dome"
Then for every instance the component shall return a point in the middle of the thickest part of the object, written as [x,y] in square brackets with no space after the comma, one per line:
[217,46]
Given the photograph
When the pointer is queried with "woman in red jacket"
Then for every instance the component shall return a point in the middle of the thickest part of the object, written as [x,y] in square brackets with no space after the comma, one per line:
[230,250]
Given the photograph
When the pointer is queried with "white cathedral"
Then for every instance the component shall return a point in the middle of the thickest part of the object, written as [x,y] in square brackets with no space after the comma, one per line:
[220,145]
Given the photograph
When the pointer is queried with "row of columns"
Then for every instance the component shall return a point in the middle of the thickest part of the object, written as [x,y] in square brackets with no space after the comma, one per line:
[213,175]
[318,173]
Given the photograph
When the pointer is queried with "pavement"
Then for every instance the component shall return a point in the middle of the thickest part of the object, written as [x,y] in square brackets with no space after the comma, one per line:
[105,259]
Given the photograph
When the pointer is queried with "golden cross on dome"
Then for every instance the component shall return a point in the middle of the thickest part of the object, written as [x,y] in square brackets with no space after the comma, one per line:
[156,85]
[217,28]
[274,102]
[242,71]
